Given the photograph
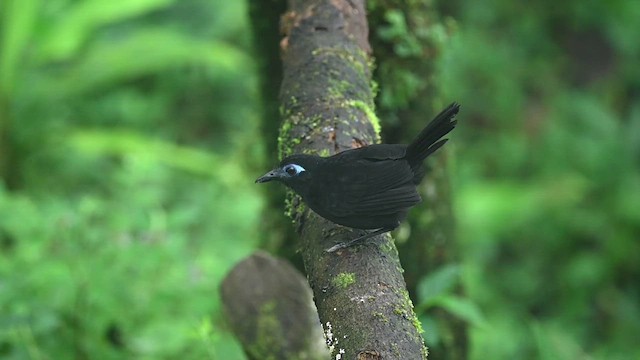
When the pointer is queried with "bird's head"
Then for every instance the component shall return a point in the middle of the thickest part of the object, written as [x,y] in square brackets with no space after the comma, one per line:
[294,171]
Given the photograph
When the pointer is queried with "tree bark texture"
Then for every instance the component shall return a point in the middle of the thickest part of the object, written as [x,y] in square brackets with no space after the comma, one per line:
[327,107]
[407,43]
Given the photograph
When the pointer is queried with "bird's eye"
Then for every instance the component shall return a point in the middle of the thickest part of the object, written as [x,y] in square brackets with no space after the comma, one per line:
[293,169]
[290,170]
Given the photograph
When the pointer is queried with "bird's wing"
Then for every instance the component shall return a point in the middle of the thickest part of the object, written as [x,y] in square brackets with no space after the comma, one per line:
[387,202]
[367,187]
[375,152]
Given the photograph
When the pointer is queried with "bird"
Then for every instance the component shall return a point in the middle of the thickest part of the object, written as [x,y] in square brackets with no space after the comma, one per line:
[368,188]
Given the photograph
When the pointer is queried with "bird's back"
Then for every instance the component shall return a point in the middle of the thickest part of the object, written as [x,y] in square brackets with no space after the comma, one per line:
[365,188]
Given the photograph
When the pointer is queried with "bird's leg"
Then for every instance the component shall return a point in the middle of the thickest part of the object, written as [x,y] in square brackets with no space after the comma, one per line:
[346,244]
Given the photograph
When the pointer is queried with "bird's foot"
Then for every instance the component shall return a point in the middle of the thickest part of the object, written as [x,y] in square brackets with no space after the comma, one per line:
[339,246]
[357,240]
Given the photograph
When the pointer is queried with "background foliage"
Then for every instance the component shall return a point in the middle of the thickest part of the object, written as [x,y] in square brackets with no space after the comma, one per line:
[132,127]
[130,146]
[548,175]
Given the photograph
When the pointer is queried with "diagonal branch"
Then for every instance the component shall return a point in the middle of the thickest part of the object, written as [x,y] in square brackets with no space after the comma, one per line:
[327,107]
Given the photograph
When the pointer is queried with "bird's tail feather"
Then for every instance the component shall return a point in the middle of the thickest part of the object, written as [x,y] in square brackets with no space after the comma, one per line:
[430,138]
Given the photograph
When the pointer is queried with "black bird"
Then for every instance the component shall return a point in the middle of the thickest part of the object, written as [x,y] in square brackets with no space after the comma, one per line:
[371,187]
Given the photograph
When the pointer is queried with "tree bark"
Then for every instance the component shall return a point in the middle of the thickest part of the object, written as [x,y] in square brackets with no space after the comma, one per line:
[327,107]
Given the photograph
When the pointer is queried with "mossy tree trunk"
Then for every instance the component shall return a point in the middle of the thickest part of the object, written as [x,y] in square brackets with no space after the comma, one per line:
[327,104]
[407,42]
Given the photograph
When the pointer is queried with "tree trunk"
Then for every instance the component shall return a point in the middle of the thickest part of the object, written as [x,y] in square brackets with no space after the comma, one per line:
[327,107]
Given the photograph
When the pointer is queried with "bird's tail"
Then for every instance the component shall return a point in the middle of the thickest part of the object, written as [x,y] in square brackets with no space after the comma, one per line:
[430,138]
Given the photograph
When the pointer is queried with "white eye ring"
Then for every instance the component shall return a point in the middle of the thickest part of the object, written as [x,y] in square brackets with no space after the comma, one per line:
[293,169]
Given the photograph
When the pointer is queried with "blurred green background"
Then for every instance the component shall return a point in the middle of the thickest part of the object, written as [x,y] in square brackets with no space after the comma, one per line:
[130,142]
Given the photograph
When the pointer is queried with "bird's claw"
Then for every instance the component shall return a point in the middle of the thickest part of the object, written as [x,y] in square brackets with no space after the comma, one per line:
[337,247]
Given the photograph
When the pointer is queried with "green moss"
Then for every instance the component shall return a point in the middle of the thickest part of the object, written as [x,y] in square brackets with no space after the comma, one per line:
[338,88]
[381,316]
[289,209]
[388,247]
[343,280]
[290,137]
[324,152]
[396,350]
[405,310]
[359,60]
[268,332]
[375,88]
[284,142]
[408,305]
[288,204]
[369,112]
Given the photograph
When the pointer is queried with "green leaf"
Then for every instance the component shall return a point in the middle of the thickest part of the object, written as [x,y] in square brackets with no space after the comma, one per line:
[84,18]
[554,342]
[431,334]
[17,19]
[147,52]
[438,283]
[460,307]
[127,143]
[396,27]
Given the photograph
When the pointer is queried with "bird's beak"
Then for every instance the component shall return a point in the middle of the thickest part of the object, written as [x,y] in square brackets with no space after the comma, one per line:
[271,175]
